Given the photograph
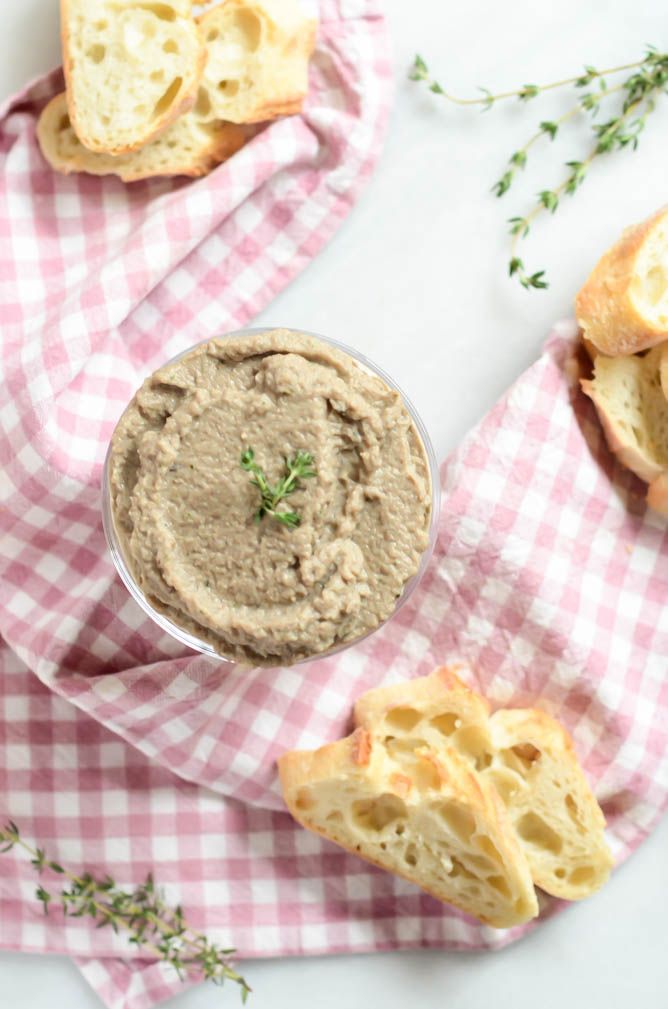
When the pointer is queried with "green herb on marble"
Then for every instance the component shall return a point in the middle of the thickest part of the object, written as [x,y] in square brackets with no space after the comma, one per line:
[627,106]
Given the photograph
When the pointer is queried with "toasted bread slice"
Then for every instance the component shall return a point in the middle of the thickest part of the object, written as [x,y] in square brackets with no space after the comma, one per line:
[258,70]
[523,754]
[131,69]
[633,410]
[421,815]
[189,147]
[623,307]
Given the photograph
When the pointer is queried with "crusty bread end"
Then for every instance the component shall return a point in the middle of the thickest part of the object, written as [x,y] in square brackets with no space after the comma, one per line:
[623,306]
[189,147]
[259,71]
[631,405]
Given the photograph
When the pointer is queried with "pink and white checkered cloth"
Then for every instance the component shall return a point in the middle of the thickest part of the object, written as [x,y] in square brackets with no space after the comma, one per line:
[122,753]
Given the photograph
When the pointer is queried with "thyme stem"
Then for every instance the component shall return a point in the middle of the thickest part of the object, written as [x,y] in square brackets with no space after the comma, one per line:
[298,467]
[524,93]
[648,79]
[549,200]
[151,925]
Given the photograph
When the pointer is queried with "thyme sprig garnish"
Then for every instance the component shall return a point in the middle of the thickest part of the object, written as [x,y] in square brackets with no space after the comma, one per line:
[299,467]
[622,129]
[150,924]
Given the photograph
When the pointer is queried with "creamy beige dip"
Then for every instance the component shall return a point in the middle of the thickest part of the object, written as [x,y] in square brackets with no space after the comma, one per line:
[184,509]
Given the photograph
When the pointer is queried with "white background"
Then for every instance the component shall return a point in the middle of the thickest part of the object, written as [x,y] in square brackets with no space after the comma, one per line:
[416,279]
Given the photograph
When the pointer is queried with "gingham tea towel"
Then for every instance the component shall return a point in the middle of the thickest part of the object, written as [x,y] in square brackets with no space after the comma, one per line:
[122,753]
[549,576]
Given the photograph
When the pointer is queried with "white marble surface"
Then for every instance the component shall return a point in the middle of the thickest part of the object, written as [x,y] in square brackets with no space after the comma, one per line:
[416,278]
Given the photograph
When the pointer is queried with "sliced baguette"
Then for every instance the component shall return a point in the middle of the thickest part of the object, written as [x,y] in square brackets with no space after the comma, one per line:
[525,755]
[421,815]
[633,410]
[623,306]
[560,825]
[431,710]
[258,69]
[189,147]
[131,69]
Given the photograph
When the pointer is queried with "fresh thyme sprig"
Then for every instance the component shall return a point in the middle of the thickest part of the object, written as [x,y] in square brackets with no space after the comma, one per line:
[638,92]
[420,72]
[298,467]
[150,924]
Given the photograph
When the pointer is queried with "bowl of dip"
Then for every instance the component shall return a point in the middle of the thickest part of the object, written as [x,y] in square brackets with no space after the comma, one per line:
[270,497]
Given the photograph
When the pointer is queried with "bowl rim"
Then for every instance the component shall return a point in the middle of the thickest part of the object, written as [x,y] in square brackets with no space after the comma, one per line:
[191,641]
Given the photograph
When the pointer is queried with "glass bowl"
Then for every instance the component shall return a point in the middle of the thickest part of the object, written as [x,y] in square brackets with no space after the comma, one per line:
[197,644]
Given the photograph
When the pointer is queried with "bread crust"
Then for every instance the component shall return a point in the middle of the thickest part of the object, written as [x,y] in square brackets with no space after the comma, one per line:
[605,307]
[300,48]
[294,52]
[224,140]
[591,351]
[629,455]
[657,494]
[274,110]
[663,371]
[426,690]
[159,125]
[639,452]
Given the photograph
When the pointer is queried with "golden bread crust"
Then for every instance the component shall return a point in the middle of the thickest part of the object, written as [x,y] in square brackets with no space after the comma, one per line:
[657,494]
[216,145]
[629,394]
[605,307]
[663,370]
[275,86]
[424,691]
[617,439]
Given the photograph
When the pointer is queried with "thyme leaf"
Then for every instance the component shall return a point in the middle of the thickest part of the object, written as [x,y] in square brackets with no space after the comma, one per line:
[150,924]
[636,99]
[298,467]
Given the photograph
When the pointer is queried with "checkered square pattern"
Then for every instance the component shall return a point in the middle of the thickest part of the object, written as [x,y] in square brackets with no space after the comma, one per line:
[122,753]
